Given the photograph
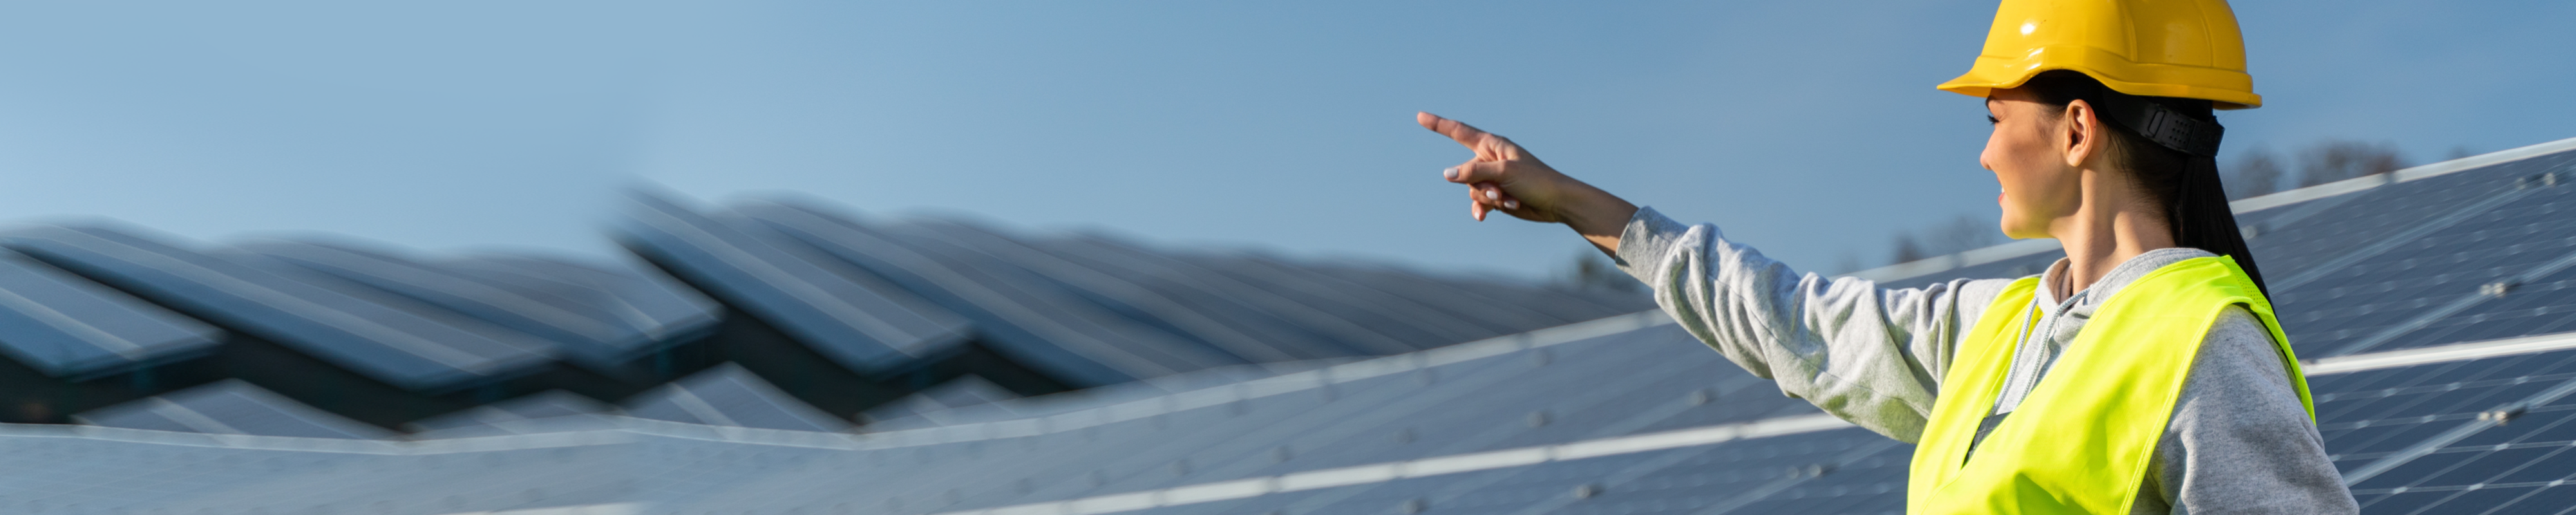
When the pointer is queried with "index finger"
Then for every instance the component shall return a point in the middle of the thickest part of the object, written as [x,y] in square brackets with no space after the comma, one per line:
[1455,130]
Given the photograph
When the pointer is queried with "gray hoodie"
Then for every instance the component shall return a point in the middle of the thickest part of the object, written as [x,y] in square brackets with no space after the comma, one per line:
[2238,441]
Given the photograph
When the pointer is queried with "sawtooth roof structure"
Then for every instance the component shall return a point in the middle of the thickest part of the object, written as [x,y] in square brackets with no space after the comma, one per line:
[836,312]
[2432,307]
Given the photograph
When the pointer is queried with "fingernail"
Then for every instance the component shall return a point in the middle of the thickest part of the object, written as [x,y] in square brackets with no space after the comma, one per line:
[1493,194]
[1450,173]
[1511,204]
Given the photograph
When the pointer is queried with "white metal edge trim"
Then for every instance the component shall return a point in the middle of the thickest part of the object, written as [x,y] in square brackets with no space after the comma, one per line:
[617,508]
[1283,384]
[2021,248]
[1974,257]
[318,444]
[2330,189]
[1432,466]
[2486,159]
[2441,354]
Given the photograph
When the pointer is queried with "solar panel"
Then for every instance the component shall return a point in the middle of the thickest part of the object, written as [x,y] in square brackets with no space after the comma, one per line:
[66,326]
[1372,332]
[856,320]
[2435,276]
[229,407]
[400,346]
[644,302]
[1351,301]
[1016,313]
[1254,338]
[585,336]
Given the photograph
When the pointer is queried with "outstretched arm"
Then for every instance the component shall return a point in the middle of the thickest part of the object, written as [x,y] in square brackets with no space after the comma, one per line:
[1871,356]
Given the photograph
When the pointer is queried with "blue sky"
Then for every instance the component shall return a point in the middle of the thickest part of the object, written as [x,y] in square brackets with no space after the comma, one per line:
[1809,129]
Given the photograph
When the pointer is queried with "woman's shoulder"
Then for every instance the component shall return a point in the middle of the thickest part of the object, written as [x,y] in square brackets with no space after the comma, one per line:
[2239,348]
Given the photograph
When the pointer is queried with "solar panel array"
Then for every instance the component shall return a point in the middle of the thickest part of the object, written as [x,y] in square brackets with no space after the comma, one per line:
[2428,304]
[832,310]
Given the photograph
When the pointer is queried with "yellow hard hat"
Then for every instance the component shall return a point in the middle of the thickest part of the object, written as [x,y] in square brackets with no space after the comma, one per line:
[2166,48]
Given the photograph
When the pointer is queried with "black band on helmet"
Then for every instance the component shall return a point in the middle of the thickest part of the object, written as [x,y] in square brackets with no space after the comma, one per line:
[2164,124]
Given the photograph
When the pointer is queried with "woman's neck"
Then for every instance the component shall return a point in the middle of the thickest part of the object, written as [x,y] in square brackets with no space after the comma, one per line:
[2110,228]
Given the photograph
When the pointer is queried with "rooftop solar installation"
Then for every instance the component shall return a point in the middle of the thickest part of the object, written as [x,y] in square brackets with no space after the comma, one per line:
[2428,303]
[392,343]
[67,326]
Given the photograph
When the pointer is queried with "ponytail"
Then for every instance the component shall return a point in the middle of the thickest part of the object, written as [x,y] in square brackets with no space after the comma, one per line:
[2169,148]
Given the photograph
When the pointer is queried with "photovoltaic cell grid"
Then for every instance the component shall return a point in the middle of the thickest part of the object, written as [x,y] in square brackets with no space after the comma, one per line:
[2457,437]
[2444,277]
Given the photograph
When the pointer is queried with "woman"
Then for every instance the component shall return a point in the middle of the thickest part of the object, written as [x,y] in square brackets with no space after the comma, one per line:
[2143,373]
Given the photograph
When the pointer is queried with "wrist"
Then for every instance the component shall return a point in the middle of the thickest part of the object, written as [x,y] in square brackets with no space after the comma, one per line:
[1599,216]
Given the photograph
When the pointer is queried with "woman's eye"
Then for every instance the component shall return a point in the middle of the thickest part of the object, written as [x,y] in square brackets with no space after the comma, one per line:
[1990,120]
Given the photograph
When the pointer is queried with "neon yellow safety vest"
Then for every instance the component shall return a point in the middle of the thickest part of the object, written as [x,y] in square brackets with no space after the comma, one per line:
[2082,440]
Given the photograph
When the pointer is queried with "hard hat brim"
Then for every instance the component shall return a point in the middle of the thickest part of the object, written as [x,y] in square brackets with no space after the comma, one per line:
[2225,89]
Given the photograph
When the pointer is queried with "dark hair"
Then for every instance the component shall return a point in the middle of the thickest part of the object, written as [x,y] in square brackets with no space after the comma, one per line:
[2185,183]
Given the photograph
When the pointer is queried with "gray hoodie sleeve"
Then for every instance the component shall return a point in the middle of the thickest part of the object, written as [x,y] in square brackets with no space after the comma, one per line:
[1873,357]
[2239,442]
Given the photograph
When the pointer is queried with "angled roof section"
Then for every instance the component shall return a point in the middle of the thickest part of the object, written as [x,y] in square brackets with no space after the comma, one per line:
[66,326]
[1017,312]
[642,301]
[401,345]
[230,406]
[590,325]
[857,320]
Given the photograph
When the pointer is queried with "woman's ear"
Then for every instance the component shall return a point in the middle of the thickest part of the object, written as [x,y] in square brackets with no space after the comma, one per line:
[2082,131]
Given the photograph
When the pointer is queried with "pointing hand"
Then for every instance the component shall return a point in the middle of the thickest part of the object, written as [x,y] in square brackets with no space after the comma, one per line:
[1504,177]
